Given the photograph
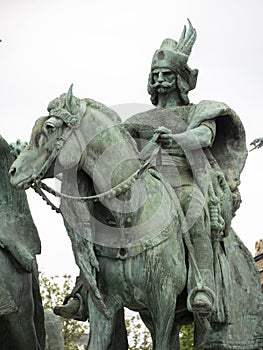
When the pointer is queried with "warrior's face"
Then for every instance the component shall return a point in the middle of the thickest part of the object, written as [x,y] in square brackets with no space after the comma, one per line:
[164,80]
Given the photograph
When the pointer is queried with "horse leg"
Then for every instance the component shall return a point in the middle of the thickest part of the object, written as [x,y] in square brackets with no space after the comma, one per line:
[101,328]
[175,340]
[119,335]
[147,319]
[163,313]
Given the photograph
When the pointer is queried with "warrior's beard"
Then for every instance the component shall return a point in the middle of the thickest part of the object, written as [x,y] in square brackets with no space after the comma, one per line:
[163,87]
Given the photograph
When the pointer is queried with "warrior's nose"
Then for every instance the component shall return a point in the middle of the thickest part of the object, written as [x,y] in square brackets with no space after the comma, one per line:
[160,77]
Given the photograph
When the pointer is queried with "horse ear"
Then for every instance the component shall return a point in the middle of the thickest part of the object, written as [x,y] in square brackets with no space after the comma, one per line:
[70,153]
[70,102]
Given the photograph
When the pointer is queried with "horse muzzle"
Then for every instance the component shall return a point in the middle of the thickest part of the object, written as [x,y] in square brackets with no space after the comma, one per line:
[18,182]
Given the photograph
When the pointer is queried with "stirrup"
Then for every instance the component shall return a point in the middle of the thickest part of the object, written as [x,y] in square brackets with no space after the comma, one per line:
[79,315]
[208,292]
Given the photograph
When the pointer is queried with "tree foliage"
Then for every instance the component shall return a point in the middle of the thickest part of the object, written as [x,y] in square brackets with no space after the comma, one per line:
[187,337]
[138,335]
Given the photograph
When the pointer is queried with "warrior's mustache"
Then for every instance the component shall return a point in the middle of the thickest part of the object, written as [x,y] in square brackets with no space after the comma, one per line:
[164,84]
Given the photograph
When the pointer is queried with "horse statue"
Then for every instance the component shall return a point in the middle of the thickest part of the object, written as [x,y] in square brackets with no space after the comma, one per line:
[125,225]
[21,311]
[137,239]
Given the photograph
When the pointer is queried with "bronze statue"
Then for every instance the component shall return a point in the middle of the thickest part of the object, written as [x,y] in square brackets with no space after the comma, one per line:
[21,311]
[146,209]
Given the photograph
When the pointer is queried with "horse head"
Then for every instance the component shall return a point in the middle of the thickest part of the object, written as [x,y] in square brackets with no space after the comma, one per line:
[52,141]
[58,142]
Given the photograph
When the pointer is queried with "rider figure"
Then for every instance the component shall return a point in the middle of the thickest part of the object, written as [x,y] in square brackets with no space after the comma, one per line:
[170,80]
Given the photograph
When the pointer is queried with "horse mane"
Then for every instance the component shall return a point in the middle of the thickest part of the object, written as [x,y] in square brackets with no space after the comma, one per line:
[94,104]
[114,117]
[100,106]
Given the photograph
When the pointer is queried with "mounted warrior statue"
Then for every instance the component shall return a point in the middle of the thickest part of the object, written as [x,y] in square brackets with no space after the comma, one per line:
[192,156]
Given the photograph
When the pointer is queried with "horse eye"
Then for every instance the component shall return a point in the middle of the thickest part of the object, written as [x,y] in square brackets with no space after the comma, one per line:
[50,127]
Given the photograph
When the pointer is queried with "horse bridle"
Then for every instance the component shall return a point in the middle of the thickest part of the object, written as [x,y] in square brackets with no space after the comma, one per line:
[112,193]
[38,186]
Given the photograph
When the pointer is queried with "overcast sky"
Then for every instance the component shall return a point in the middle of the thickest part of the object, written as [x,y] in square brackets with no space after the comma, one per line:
[105,48]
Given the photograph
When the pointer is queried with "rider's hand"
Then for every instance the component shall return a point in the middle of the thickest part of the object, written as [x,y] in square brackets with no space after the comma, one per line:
[165,136]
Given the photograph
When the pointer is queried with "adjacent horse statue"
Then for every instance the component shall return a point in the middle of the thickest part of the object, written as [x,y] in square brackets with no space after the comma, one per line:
[21,312]
[125,225]
[137,257]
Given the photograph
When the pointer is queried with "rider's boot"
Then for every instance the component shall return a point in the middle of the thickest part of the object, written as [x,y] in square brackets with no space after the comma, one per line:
[202,298]
[73,309]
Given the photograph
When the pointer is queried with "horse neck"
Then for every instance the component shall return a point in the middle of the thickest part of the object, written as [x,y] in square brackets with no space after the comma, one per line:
[111,155]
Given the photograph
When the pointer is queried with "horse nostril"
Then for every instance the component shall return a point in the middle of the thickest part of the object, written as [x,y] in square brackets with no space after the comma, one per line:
[12,171]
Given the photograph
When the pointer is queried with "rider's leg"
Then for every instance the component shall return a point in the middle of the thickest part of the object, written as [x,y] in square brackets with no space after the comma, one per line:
[200,252]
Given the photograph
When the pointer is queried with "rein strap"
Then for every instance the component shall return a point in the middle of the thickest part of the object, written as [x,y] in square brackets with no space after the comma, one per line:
[112,193]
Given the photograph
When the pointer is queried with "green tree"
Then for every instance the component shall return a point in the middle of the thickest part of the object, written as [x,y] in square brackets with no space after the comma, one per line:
[187,337]
[138,335]
[53,290]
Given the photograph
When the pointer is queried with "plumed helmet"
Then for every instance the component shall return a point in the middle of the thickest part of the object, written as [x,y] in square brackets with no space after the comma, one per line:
[174,56]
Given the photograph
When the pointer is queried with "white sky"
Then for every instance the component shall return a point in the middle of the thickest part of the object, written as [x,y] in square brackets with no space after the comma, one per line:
[105,48]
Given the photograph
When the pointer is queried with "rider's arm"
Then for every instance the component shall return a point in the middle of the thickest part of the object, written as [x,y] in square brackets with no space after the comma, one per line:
[199,137]
[205,133]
